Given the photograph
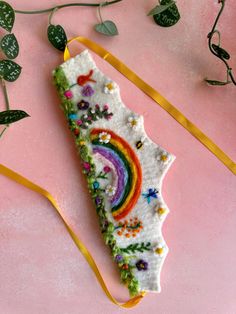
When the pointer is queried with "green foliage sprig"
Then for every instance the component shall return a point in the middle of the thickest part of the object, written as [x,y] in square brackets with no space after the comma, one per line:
[219,52]
[137,247]
[166,13]
[9,70]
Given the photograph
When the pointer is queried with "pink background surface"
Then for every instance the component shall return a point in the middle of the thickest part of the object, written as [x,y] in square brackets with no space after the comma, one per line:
[41,270]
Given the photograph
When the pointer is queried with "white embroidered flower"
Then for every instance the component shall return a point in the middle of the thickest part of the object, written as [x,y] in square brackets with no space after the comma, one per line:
[109,88]
[110,190]
[85,116]
[159,249]
[164,157]
[104,137]
[133,122]
[92,111]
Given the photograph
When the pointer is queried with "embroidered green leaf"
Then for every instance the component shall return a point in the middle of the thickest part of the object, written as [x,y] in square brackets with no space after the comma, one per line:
[9,46]
[11,116]
[7,16]
[9,70]
[160,8]
[169,16]
[222,53]
[107,28]
[140,247]
[217,83]
[57,36]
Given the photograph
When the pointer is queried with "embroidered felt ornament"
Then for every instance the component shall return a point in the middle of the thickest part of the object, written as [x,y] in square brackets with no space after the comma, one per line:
[123,167]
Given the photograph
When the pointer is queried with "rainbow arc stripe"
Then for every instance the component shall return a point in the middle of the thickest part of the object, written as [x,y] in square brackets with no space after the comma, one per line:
[128,171]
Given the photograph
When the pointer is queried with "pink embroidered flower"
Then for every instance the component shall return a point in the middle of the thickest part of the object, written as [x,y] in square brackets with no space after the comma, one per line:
[106,169]
[87,91]
[79,122]
[68,94]
[105,107]
[86,166]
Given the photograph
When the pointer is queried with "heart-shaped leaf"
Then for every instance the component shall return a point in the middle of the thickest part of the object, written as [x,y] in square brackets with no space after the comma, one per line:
[9,46]
[160,8]
[9,70]
[11,116]
[107,28]
[7,16]
[222,53]
[216,83]
[169,16]
[57,36]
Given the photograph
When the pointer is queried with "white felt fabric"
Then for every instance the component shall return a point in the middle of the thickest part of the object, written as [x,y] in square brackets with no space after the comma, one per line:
[153,168]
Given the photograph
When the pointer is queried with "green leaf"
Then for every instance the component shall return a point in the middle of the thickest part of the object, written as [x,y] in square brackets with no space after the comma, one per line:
[217,83]
[107,28]
[57,36]
[11,116]
[169,16]
[222,53]
[7,16]
[160,8]
[9,70]
[9,46]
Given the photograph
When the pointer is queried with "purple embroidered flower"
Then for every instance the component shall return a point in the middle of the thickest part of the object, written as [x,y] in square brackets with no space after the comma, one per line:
[118,258]
[106,169]
[86,166]
[141,265]
[83,105]
[98,200]
[68,94]
[87,91]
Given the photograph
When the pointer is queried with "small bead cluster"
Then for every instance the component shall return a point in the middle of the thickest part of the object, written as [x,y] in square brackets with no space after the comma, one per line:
[130,228]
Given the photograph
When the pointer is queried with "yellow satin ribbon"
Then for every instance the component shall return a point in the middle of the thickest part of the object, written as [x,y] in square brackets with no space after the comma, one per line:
[87,255]
[158,98]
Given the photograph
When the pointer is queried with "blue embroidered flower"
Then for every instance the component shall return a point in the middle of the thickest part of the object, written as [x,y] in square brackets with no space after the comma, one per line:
[72,116]
[152,193]
[96,185]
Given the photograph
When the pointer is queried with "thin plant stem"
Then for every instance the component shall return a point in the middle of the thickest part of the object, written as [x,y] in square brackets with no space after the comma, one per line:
[5,94]
[51,15]
[210,37]
[1,134]
[58,7]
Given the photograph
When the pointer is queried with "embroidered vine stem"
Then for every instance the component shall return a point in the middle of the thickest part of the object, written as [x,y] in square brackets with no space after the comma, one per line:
[219,52]
[58,7]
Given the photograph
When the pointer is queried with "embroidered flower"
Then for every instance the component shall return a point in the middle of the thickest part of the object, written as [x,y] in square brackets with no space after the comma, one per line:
[98,200]
[164,157]
[152,193]
[68,94]
[79,122]
[86,166]
[83,105]
[133,122]
[110,190]
[141,265]
[109,88]
[118,258]
[159,249]
[161,211]
[72,116]
[96,185]
[107,169]
[104,137]
[105,107]
[87,91]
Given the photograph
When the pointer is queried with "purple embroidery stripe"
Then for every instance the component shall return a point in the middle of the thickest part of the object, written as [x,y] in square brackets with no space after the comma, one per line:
[120,169]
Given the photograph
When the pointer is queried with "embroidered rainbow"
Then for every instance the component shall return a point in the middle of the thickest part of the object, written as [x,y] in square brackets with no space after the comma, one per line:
[128,171]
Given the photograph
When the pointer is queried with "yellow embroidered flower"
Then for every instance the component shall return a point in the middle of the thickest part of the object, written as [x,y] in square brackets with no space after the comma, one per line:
[161,211]
[104,137]
[159,249]
[164,157]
